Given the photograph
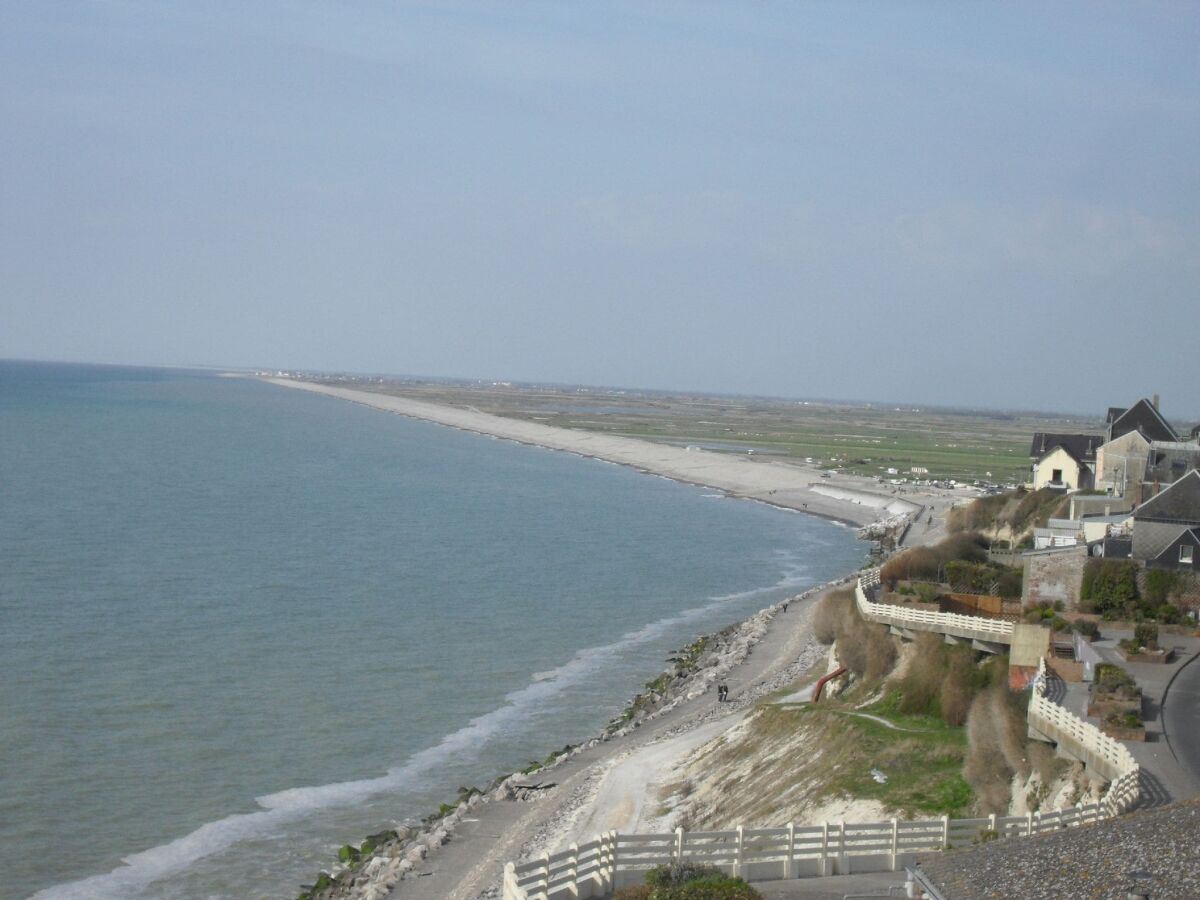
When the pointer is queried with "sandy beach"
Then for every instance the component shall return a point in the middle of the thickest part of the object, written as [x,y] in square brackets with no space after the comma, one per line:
[615,783]
[855,501]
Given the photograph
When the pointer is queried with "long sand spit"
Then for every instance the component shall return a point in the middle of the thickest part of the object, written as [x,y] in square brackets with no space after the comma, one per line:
[781,484]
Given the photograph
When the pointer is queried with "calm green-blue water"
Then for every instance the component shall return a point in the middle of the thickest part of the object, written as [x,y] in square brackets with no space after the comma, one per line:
[241,625]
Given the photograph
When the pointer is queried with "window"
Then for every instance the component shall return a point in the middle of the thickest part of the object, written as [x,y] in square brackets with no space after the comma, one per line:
[1185,554]
[1056,476]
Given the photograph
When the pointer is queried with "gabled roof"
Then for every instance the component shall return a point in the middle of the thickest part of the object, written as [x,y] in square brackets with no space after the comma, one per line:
[1170,553]
[1081,447]
[1143,417]
[1178,502]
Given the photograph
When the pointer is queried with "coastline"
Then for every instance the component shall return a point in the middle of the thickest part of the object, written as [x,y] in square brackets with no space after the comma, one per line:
[460,853]
[796,488]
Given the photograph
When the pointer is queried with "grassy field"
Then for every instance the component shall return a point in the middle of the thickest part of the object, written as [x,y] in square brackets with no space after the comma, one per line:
[863,439]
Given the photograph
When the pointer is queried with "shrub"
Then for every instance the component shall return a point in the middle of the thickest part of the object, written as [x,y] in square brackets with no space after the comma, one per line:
[687,881]
[1169,614]
[1111,679]
[1146,635]
[830,616]
[675,874]
[926,563]
[1087,628]
[1109,584]
[1160,584]
[881,653]
[1123,719]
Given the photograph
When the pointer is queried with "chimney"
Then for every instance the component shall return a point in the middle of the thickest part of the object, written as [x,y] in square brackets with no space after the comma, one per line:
[1155,402]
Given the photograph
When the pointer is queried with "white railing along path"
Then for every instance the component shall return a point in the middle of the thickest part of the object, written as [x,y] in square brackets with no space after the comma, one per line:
[612,860]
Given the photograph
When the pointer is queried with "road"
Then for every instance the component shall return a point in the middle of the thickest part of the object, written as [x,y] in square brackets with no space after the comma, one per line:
[1181,718]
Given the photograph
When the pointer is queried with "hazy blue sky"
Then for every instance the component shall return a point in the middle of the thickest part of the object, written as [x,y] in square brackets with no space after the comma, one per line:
[941,202]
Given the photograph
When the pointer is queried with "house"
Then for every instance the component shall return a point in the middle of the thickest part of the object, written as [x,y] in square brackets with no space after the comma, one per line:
[1121,465]
[1142,417]
[1141,452]
[1167,462]
[1166,527]
[1064,461]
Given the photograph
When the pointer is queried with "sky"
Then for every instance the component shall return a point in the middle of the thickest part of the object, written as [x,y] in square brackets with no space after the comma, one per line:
[940,203]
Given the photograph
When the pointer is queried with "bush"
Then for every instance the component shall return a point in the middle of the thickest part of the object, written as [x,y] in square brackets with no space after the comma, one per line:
[687,881]
[828,615]
[1110,679]
[1146,635]
[1087,628]
[1109,584]
[1123,719]
[1160,584]
[679,873]
[927,563]
[1169,614]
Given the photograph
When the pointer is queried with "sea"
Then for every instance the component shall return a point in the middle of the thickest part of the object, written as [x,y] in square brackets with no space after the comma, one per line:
[242,625]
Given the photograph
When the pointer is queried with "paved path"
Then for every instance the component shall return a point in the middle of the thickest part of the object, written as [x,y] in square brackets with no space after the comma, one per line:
[1181,718]
[1170,765]
[835,887]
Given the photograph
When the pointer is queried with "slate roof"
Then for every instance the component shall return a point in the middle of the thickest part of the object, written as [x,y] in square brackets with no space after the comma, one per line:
[1178,502]
[1147,852]
[1081,446]
[1114,413]
[1170,553]
[1143,417]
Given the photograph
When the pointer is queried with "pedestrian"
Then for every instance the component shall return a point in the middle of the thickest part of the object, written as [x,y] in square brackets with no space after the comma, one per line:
[785,603]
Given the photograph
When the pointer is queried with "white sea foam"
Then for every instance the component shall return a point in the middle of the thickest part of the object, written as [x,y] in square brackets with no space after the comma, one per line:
[140,870]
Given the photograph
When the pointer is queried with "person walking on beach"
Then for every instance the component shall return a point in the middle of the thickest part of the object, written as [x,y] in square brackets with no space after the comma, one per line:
[722,693]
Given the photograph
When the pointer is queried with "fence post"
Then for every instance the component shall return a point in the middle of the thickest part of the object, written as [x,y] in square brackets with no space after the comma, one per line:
[789,866]
[992,824]
[614,861]
[1028,824]
[741,850]
[895,841]
[1038,817]
[678,852]
[824,848]
[573,869]
[843,859]
[945,832]
[510,881]
[545,885]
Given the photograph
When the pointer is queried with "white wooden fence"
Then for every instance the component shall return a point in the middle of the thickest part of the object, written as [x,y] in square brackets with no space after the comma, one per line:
[611,860]
[972,627]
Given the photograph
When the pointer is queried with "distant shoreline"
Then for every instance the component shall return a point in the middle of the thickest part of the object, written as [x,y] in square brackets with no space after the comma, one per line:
[777,484]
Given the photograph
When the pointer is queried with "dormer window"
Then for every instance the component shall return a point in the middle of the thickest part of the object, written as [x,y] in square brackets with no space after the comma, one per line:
[1186,554]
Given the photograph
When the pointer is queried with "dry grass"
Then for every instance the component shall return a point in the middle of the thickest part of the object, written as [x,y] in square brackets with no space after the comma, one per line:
[829,614]
[997,747]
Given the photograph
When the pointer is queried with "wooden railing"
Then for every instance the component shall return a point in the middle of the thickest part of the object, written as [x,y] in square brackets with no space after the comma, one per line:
[612,860]
[973,627]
